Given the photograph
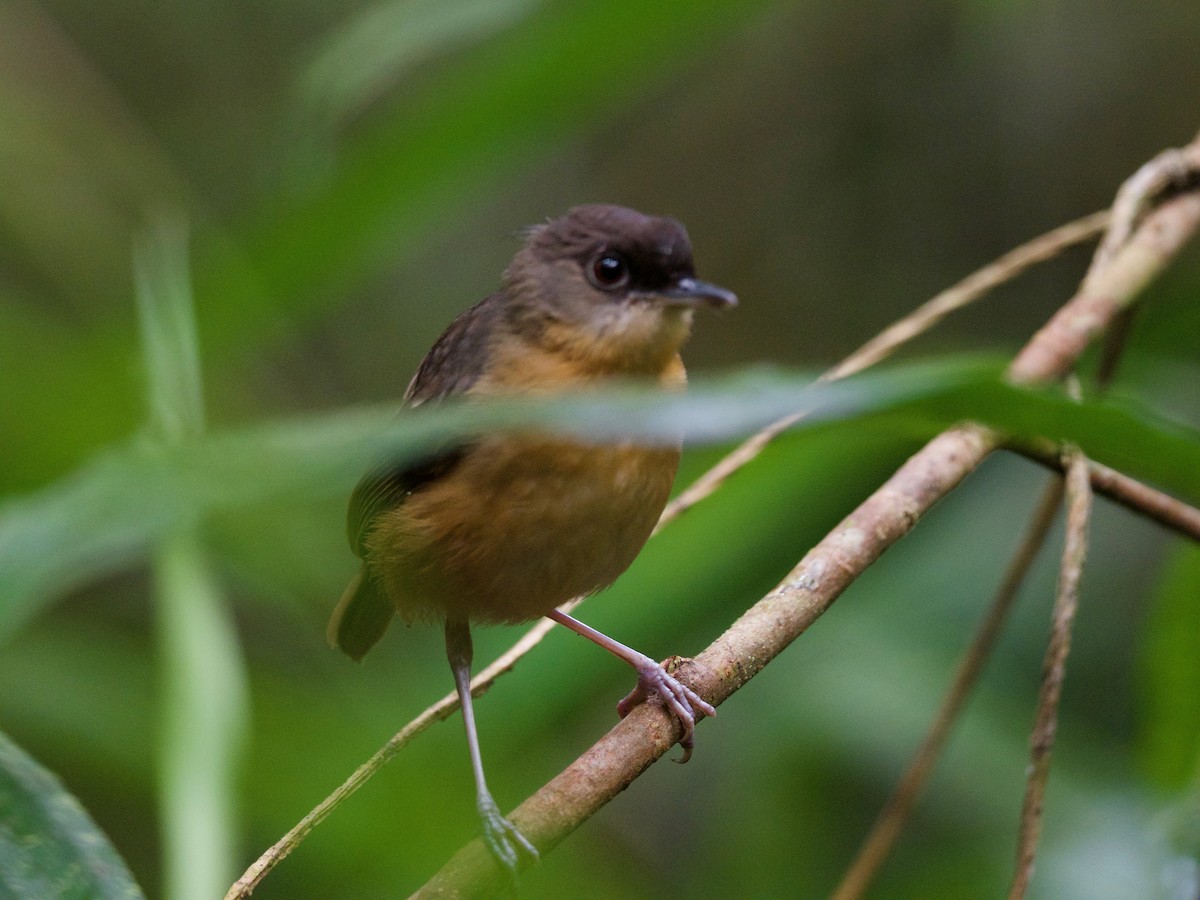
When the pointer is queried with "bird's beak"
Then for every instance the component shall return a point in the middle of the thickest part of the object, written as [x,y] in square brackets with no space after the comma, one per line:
[694,292]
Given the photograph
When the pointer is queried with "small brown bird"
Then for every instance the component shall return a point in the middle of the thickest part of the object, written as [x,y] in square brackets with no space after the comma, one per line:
[507,527]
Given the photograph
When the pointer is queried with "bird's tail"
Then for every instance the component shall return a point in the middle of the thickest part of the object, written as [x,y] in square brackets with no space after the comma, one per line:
[360,618]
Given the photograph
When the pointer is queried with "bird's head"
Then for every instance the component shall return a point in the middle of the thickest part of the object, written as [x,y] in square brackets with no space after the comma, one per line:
[610,285]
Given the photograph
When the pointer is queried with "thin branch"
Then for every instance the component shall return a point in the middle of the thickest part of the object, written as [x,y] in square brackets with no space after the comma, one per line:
[1124,273]
[926,316]
[895,813]
[443,709]
[768,627]
[1168,171]
[1131,202]
[1172,170]
[970,289]
[1079,507]
[1134,495]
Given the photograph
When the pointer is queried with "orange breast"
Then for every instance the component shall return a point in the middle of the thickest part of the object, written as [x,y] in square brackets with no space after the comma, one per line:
[521,525]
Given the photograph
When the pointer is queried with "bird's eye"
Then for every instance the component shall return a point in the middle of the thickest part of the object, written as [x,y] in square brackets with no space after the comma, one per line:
[609,271]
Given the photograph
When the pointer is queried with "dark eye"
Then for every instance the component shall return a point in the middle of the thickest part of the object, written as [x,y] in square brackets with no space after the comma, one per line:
[608,271]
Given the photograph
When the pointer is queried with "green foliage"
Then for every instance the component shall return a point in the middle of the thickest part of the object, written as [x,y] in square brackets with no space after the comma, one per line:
[204,691]
[49,846]
[1170,667]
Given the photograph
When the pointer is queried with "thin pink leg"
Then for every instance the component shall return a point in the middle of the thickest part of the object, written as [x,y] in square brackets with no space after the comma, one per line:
[681,700]
[501,836]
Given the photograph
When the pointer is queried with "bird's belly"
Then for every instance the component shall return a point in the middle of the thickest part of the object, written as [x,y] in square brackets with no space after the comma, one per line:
[520,526]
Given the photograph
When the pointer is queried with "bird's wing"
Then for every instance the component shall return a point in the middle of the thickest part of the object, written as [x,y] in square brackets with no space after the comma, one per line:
[386,487]
[451,366]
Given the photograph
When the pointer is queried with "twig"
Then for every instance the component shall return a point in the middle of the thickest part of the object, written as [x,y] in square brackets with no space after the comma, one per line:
[895,813]
[1134,495]
[768,627]
[1132,200]
[1171,170]
[970,289]
[443,709]
[1079,506]
[922,319]
[1122,272]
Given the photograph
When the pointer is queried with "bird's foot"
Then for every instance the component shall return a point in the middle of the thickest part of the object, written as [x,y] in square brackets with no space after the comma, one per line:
[681,700]
[503,839]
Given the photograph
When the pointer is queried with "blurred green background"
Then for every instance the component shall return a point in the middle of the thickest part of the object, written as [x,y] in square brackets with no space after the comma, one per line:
[342,178]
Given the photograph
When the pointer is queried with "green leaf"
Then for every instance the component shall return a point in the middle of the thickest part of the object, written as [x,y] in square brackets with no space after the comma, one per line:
[166,314]
[1170,674]
[111,510]
[49,846]
[376,47]
[204,720]
[204,699]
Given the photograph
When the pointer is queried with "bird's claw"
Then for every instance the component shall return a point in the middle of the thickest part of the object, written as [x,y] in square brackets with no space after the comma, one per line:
[503,839]
[681,700]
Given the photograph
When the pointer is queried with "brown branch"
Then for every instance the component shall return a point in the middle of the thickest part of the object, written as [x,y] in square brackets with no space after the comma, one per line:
[1079,507]
[1131,202]
[895,813]
[1134,495]
[922,319]
[443,709]
[768,627]
[970,289]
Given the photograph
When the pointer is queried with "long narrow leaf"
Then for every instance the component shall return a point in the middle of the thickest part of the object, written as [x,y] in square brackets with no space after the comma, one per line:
[205,692]
[109,512]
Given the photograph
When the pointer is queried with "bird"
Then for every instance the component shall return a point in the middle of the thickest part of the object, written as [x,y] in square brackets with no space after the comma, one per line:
[506,527]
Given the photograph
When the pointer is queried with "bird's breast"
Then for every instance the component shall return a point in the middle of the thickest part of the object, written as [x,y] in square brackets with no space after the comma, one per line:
[521,525]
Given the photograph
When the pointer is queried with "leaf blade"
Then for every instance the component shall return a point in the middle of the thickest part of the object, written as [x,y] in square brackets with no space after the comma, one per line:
[49,845]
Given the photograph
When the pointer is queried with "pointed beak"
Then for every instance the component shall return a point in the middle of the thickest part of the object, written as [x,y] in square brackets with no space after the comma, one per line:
[694,292]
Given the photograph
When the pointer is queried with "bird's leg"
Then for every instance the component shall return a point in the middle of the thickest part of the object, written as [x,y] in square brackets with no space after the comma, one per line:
[500,835]
[680,699]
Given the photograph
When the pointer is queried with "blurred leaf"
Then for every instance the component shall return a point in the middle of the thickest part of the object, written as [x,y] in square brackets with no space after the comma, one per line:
[107,513]
[49,846]
[1170,674]
[464,126]
[413,165]
[76,168]
[168,328]
[382,43]
[204,701]
[204,727]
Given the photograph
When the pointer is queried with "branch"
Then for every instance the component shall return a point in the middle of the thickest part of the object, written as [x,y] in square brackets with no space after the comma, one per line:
[1134,495]
[970,289]
[918,322]
[1079,508]
[443,709]
[768,627]
[895,813]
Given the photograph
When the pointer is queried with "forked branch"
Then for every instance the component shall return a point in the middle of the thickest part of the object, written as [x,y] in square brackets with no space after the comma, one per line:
[768,627]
